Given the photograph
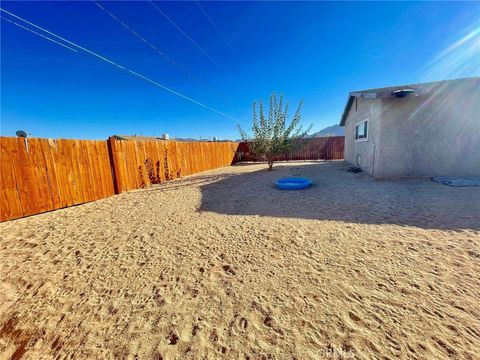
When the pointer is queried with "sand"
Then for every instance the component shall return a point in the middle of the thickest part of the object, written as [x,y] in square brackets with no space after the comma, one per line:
[223,265]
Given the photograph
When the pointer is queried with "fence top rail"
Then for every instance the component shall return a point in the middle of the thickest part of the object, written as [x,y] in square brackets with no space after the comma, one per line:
[179,141]
[51,139]
[116,139]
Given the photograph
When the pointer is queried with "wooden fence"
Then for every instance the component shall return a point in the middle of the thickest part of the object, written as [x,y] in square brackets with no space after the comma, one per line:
[39,175]
[141,163]
[322,148]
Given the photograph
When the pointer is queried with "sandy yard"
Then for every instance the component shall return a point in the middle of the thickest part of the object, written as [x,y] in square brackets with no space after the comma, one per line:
[223,265]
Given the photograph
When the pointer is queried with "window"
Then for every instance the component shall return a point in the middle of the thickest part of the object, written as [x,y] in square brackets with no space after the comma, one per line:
[361,131]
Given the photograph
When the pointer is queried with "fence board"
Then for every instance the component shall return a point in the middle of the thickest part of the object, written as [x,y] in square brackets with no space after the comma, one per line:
[85,174]
[64,174]
[39,170]
[51,175]
[10,205]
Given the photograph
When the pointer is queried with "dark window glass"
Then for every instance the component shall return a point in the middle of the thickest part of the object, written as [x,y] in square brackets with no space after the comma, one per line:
[361,130]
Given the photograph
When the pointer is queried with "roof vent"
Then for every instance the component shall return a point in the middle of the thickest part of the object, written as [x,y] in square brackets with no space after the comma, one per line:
[403,92]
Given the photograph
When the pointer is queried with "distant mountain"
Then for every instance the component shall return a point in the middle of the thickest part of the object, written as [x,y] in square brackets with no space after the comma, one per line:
[334,130]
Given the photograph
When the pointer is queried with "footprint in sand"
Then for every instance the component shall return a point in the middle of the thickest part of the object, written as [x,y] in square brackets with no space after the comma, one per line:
[172,338]
[354,316]
[228,269]
[214,336]
[268,321]
[195,329]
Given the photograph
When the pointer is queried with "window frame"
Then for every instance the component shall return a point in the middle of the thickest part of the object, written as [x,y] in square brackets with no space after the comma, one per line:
[366,128]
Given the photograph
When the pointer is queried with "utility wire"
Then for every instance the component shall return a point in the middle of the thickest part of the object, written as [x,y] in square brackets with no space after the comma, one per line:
[159,52]
[113,63]
[37,33]
[222,35]
[189,38]
[195,43]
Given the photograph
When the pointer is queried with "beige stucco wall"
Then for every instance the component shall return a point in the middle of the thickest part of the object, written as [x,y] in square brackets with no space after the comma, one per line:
[362,153]
[436,133]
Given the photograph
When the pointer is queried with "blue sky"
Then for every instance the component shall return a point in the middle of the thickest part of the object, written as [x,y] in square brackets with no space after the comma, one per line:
[316,51]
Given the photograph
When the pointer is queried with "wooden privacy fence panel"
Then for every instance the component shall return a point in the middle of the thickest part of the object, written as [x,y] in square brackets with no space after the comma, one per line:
[40,175]
[139,164]
[321,148]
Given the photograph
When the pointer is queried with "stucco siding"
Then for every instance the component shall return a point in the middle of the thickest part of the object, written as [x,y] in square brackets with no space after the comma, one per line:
[433,133]
[362,153]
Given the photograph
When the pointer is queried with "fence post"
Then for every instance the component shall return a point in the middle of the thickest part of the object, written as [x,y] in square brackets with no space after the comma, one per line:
[114,165]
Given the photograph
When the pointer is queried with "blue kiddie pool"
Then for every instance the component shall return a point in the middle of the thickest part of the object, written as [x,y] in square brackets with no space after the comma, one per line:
[293,183]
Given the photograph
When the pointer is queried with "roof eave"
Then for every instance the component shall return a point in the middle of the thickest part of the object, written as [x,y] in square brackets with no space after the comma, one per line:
[363,95]
[346,110]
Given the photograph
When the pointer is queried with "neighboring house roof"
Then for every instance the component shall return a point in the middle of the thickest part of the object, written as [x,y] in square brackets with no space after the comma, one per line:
[388,92]
[135,137]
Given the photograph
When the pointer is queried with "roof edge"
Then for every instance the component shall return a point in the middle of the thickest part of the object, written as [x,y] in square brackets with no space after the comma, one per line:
[376,93]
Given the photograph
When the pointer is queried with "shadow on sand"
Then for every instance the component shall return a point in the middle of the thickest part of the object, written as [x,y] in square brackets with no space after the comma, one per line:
[342,196]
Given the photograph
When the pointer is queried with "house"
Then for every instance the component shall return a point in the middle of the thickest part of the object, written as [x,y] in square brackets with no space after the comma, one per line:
[420,130]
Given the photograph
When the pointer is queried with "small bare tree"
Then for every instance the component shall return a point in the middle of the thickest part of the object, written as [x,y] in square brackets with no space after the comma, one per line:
[271,136]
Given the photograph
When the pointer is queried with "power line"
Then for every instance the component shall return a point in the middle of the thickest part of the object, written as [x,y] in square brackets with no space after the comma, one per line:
[161,53]
[113,63]
[157,50]
[222,35]
[189,38]
[37,33]
[195,43]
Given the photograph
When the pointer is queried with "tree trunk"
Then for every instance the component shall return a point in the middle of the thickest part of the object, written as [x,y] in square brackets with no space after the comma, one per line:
[270,164]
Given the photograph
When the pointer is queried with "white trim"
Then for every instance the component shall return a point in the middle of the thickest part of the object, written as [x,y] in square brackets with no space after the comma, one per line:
[368,131]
